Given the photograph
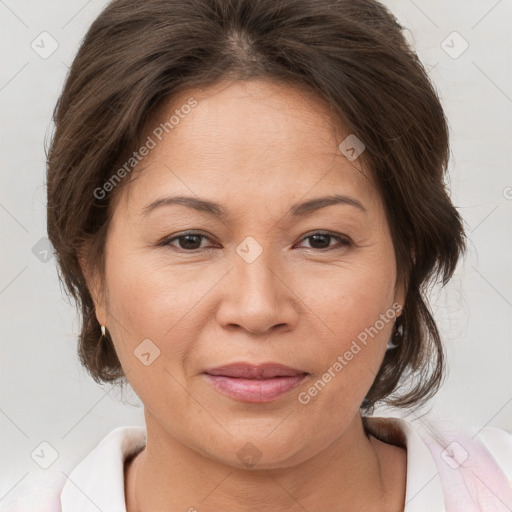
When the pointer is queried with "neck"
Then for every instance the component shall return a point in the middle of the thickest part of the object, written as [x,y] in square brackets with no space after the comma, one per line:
[347,475]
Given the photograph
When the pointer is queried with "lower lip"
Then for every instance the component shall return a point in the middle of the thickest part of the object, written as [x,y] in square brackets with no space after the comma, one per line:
[255,390]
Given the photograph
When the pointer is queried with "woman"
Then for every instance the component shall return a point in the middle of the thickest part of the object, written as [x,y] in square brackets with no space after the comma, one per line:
[247,201]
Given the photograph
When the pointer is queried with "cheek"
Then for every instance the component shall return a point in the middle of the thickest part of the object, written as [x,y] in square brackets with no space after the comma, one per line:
[357,318]
[154,312]
[355,298]
[152,302]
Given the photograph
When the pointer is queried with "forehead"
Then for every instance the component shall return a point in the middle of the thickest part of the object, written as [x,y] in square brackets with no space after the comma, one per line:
[241,141]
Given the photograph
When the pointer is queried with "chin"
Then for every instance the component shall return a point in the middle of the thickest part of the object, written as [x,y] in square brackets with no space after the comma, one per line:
[264,447]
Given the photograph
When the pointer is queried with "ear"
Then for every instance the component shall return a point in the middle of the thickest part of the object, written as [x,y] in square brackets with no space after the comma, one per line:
[401,288]
[400,294]
[94,285]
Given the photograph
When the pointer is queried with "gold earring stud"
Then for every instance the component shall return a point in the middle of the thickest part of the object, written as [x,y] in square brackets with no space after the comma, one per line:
[103,330]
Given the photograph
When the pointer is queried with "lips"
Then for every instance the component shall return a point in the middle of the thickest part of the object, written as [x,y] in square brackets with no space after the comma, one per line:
[246,382]
[250,371]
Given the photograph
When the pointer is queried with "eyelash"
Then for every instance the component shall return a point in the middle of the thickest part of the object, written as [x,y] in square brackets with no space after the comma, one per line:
[344,240]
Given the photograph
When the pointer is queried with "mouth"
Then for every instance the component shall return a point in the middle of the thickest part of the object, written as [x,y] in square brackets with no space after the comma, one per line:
[255,383]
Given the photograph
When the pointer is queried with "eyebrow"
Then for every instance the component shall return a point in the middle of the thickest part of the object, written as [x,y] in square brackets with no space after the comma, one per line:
[296,210]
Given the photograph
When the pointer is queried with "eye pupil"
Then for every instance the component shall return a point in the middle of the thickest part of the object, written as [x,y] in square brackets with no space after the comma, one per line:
[322,238]
[190,241]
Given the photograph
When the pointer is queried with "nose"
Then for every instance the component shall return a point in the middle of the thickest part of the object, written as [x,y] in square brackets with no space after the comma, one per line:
[257,298]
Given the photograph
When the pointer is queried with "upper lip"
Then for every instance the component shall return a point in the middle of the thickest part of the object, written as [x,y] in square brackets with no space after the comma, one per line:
[254,371]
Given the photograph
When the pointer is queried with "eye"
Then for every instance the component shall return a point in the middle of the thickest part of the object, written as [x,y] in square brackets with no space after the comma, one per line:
[320,240]
[191,241]
[187,241]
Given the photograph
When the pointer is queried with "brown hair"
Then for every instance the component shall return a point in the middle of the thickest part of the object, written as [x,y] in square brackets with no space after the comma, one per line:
[351,53]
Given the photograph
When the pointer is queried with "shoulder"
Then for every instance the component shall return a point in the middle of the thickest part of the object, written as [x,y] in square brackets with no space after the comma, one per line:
[474,465]
[450,442]
[458,446]
[455,466]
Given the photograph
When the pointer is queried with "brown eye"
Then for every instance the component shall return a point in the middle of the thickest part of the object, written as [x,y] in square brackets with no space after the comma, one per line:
[190,241]
[187,242]
[321,241]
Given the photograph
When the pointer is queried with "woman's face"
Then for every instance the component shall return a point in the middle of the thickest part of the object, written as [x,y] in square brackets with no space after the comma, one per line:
[251,284]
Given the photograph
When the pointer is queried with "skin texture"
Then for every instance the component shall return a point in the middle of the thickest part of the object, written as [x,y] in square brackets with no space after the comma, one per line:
[257,148]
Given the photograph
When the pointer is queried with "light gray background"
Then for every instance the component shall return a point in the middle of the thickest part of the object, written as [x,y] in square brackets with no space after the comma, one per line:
[47,396]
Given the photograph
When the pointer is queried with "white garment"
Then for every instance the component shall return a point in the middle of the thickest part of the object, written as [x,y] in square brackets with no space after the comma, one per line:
[97,483]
